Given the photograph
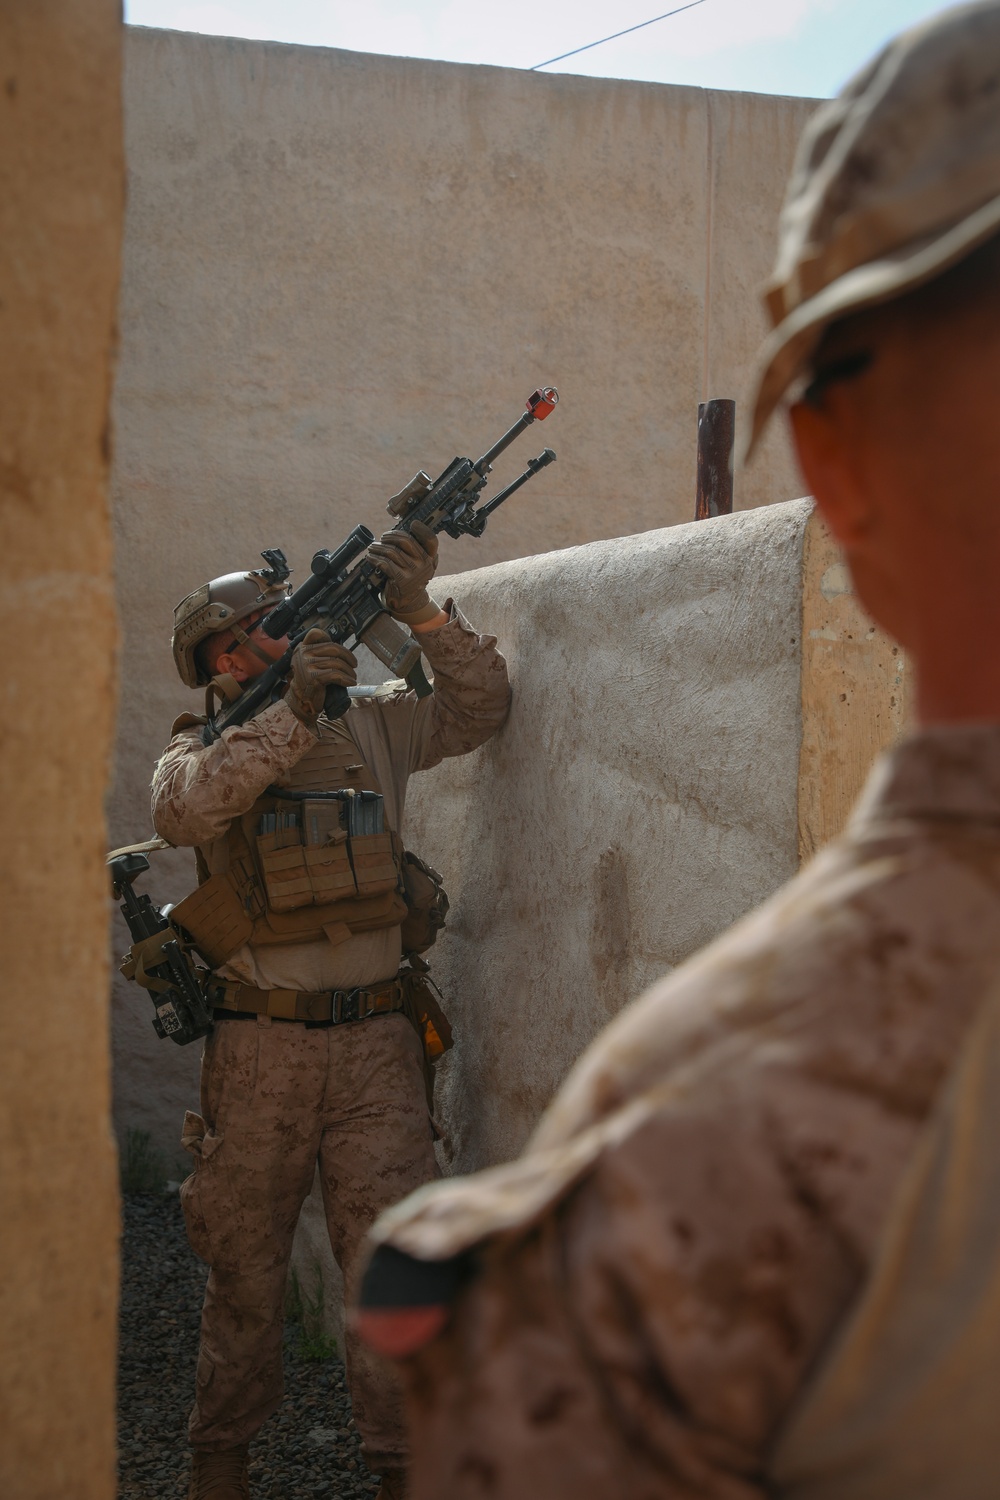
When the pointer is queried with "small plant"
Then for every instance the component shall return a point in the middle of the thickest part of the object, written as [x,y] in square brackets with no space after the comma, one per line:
[305,1310]
[143,1169]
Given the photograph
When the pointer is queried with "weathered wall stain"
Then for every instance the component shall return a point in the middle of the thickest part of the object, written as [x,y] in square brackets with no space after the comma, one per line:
[611,931]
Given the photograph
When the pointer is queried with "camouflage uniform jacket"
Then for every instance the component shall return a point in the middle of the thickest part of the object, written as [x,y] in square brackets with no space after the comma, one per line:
[643,1295]
[198,790]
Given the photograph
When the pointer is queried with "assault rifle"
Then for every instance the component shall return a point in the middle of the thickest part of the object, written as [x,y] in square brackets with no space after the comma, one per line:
[343,595]
[156,960]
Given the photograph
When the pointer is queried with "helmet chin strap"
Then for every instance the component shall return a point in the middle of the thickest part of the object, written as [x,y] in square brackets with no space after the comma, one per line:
[240,635]
[221,689]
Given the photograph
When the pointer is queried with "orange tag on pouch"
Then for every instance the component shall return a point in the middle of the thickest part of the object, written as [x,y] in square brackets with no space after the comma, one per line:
[432,1042]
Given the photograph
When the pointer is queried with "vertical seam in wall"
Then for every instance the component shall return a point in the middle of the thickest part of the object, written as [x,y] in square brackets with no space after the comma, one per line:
[709,213]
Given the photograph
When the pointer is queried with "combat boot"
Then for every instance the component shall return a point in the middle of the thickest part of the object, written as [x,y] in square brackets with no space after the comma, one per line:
[219,1476]
[393,1486]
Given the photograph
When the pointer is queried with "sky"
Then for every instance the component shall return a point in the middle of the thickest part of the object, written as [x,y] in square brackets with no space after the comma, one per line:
[805,47]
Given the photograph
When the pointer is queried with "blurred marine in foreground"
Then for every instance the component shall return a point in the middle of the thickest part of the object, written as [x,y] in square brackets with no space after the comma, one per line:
[752,1248]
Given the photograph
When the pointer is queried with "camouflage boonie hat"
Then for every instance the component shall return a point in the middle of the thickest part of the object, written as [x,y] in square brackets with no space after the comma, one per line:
[895,181]
[220,605]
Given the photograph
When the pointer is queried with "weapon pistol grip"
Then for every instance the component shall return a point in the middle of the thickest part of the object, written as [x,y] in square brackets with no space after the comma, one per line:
[337,701]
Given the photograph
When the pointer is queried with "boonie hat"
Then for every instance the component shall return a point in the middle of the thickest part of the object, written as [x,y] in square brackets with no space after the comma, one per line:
[895,181]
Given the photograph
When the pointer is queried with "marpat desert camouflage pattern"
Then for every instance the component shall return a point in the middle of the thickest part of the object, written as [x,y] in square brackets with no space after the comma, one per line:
[659,1274]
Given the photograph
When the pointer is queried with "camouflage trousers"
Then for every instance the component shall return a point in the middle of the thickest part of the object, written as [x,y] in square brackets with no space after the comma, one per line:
[278,1099]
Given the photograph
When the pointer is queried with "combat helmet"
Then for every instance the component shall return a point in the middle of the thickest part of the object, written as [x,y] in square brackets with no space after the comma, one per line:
[224,604]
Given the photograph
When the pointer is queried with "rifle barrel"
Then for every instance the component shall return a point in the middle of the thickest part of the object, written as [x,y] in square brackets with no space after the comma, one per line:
[483,466]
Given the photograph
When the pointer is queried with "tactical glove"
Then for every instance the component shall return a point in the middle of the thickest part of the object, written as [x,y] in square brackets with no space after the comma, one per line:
[409,561]
[316,663]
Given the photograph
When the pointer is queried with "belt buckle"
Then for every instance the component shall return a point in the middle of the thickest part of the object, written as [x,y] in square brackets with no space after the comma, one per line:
[348,1005]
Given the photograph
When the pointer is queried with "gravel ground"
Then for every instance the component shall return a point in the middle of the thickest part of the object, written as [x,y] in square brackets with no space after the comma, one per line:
[308,1448]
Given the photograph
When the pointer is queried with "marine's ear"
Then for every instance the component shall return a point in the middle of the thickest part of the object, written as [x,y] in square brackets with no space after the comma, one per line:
[229,665]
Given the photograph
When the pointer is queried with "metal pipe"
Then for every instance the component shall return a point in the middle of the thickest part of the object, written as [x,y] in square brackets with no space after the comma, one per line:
[716,450]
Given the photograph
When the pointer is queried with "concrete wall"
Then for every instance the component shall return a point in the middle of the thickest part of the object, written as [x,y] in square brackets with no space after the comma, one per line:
[641,797]
[856,692]
[61,179]
[340,267]
[657,778]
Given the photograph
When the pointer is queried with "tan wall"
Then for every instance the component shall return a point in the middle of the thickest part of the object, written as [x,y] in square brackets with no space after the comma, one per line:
[339,267]
[61,180]
[856,692]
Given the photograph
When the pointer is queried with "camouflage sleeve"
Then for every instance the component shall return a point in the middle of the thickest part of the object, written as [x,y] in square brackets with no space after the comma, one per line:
[471,692]
[547,1383]
[644,1332]
[199,789]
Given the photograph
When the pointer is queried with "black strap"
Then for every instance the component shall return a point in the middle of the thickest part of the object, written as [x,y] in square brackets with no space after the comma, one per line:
[416,681]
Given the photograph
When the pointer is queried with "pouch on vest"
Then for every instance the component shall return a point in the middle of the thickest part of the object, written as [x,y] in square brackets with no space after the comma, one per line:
[426,904]
[311,860]
[325,849]
[370,845]
[303,856]
[422,1008]
[215,919]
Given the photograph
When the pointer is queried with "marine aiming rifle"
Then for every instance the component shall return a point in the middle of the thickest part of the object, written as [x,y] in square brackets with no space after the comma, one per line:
[343,595]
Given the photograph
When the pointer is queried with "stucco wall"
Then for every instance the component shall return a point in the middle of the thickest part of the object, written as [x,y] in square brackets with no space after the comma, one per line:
[672,746]
[340,267]
[61,179]
[641,796]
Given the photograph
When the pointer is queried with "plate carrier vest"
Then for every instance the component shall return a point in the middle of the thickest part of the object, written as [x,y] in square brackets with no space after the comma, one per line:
[305,877]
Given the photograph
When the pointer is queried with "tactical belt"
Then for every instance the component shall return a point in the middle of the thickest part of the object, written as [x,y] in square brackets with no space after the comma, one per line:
[329,1008]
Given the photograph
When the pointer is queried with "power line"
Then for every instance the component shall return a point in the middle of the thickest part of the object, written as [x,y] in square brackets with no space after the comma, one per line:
[666,16]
